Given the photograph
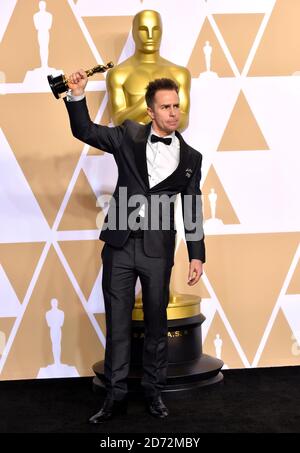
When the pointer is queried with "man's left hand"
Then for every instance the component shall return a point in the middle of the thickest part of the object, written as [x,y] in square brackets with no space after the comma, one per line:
[195,272]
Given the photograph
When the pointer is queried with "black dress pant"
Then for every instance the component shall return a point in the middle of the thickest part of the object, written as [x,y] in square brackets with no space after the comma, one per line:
[121,267]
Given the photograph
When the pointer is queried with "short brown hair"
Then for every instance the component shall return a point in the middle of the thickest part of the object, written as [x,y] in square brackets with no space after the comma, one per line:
[156,85]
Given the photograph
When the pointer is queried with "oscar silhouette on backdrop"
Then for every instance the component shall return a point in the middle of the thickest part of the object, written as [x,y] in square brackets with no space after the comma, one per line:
[213,202]
[55,320]
[42,22]
[218,342]
[126,83]
[207,50]
[213,222]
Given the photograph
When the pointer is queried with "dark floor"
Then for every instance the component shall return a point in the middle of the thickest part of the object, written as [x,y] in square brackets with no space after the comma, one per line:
[257,400]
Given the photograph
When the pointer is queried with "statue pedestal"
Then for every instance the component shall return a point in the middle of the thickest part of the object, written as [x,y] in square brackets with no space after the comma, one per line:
[213,226]
[188,366]
[37,78]
[59,370]
[208,75]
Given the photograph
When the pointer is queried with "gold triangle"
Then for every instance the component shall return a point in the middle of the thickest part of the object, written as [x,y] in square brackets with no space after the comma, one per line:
[20,274]
[80,346]
[89,253]
[219,63]
[179,275]
[21,36]
[294,286]
[94,99]
[242,132]
[247,277]
[43,144]
[224,209]
[81,211]
[229,353]
[239,32]
[278,52]
[109,34]
[104,121]
[281,347]
[100,318]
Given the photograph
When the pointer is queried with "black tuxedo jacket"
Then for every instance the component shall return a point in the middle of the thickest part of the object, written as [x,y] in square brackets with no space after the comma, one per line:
[127,143]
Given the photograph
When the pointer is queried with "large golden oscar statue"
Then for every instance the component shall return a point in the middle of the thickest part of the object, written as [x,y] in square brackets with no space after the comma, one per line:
[126,86]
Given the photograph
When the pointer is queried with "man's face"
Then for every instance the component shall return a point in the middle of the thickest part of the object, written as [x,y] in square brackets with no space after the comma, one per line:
[147,31]
[165,113]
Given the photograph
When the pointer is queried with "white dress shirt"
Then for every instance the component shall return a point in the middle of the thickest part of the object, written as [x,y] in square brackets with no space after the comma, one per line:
[162,159]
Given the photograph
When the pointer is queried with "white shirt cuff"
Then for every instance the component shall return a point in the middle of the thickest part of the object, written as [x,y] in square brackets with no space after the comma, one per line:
[71,98]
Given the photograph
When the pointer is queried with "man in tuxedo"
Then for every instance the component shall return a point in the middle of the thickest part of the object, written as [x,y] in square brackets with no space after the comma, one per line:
[154,165]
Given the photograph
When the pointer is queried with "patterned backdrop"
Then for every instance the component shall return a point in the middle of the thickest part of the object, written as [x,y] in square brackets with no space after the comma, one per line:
[245,108]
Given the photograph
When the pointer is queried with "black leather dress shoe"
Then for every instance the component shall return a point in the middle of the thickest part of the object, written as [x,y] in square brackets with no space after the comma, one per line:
[156,407]
[110,409]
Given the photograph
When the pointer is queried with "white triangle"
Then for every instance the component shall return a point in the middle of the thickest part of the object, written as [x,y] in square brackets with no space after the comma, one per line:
[290,305]
[128,49]
[6,9]
[95,302]
[9,302]
[208,309]
[101,172]
[21,218]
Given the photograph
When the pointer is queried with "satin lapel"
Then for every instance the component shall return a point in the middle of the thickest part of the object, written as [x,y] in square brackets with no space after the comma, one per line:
[140,145]
[179,172]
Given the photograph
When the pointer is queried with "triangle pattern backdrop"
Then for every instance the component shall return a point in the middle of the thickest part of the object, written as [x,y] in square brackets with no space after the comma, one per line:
[241,56]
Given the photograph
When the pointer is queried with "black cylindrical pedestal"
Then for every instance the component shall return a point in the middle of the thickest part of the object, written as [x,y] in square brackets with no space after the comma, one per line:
[188,366]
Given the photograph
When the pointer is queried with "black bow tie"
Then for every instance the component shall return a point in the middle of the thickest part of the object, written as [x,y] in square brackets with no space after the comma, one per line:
[156,138]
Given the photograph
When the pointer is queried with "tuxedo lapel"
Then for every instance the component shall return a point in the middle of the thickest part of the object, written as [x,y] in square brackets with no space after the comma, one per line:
[140,154]
[140,147]
[179,172]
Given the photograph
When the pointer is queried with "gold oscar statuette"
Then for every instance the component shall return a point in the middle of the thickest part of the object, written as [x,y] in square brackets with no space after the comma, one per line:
[59,84]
